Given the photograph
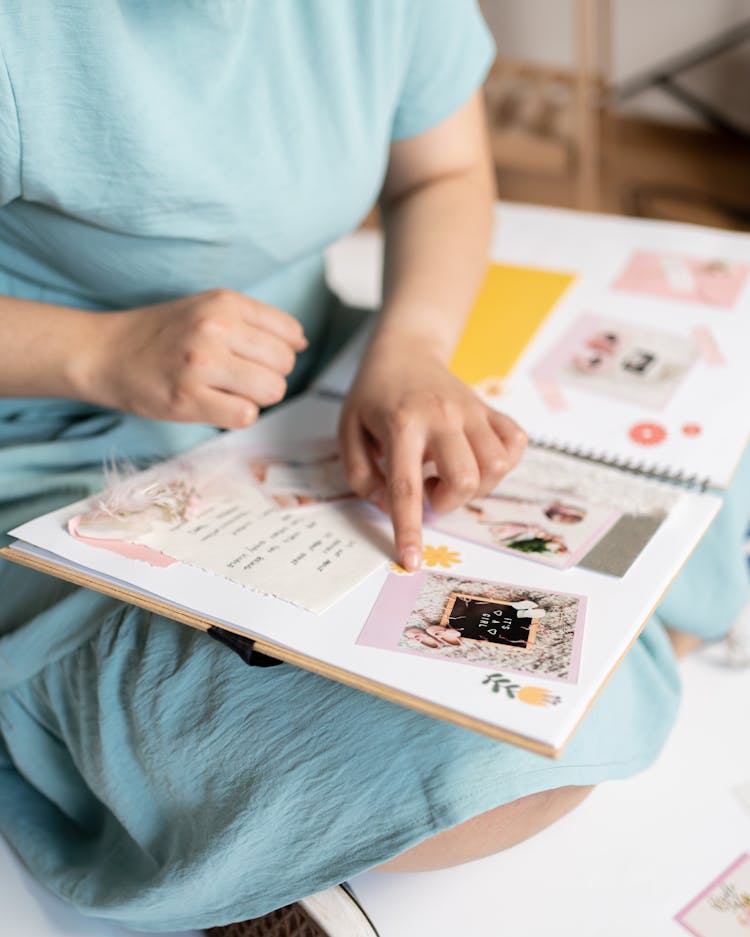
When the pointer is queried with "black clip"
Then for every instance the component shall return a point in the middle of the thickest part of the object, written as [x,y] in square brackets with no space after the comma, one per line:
[243,646]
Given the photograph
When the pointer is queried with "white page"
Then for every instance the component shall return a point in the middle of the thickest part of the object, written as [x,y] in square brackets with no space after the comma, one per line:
[615,608]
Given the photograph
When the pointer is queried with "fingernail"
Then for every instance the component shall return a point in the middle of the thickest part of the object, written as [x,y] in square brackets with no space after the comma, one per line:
[411,559]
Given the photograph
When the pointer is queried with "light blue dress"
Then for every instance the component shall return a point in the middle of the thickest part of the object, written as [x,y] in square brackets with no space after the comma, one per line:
[152,150]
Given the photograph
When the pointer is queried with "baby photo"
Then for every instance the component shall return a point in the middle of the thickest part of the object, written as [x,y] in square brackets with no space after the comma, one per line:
[713,282]
[617,359]
[292,480]
[485,624]
[563,511]
[531,522]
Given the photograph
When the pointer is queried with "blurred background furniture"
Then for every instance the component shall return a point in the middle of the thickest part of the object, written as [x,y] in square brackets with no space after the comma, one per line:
[545,119]
[624,106]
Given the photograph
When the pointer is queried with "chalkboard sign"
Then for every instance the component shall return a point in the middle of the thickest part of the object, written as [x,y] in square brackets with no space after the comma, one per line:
[479,618]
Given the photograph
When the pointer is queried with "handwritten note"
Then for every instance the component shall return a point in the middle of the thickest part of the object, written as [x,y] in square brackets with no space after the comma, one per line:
[311,558]
[219,516]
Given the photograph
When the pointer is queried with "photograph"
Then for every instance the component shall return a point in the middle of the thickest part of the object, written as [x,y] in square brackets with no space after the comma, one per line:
[712,282]
[621,360]
[478,622]
[563,511]
[722,909]
[529,521]
[299,479]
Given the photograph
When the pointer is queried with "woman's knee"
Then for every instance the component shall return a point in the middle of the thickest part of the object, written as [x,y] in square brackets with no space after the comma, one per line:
[489,832]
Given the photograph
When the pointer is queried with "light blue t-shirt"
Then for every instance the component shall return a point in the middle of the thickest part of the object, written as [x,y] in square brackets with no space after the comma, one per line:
[150,150]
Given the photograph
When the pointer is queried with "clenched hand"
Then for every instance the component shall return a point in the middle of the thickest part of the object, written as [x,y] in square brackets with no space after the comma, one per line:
[215,357]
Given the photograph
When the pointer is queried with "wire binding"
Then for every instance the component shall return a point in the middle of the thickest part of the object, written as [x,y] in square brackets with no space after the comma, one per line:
[633,466]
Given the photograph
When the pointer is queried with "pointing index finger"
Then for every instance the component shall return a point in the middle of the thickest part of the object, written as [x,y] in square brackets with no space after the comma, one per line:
[404,492]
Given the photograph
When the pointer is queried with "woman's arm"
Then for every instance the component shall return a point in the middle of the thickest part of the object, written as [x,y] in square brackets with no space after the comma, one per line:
[436,205]
[405,407]
[215,357]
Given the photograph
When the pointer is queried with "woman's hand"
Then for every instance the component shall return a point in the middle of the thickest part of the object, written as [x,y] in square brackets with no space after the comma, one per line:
[406,409]
[216,357]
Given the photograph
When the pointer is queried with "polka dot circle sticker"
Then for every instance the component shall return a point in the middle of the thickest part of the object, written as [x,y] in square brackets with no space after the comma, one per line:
[647,434]
[692,429]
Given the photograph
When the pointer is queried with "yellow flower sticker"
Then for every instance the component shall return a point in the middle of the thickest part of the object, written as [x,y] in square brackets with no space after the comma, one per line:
[440,556]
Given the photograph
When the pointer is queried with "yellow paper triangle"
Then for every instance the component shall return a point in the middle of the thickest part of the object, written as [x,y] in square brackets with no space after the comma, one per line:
[511,305]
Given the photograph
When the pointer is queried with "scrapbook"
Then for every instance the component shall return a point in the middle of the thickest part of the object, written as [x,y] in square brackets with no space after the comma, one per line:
[612,341]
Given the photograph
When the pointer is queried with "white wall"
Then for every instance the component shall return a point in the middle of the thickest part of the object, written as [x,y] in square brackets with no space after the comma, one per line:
[644,33]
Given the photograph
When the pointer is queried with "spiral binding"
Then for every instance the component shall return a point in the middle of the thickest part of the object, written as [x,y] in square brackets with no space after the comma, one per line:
[634,466]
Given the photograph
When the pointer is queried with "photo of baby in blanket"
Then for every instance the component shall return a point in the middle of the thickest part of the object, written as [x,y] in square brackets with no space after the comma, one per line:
[292,480]
[530,522]
[527,537]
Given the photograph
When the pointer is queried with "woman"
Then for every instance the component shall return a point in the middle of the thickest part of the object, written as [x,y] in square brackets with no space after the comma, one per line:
[180,167]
